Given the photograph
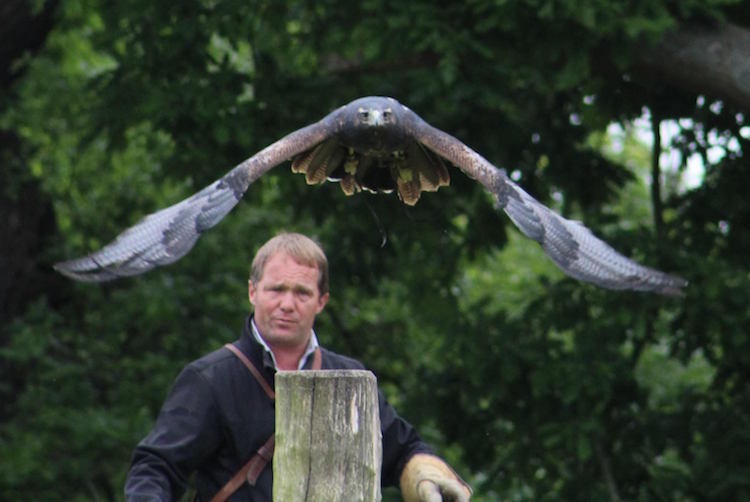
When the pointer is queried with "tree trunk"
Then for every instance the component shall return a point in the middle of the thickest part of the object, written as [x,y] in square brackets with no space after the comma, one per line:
[23,30]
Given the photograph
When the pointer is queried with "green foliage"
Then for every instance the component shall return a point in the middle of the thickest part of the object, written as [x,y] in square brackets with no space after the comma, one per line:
[534,386]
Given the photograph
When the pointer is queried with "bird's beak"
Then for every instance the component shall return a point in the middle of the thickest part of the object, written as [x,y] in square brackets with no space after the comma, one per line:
[376,118]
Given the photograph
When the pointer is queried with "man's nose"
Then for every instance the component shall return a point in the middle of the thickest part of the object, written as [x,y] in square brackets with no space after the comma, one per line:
[287,301]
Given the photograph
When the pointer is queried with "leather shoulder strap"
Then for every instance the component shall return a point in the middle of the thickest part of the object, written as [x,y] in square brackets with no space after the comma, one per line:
[262,381]
[254,467]
[249,473]
[317,359]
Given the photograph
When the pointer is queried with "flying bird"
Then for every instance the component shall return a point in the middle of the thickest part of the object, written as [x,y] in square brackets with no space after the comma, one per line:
[378,145]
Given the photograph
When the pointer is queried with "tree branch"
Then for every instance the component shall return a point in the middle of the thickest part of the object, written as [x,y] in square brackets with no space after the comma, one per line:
[656,203]
[712,60]
[609,479]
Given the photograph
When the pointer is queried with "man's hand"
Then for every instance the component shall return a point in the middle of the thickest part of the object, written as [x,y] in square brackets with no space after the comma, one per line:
[426,478]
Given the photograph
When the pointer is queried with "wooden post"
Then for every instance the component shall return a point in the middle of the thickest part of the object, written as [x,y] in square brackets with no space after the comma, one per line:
[328,440]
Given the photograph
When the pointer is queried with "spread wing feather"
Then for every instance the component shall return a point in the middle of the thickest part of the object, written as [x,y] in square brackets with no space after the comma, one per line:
[167,235]
[572,246]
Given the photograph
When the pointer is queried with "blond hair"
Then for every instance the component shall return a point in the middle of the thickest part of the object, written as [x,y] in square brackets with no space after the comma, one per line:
[300,248]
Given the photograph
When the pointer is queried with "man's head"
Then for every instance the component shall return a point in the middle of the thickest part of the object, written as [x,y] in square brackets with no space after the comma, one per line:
[288,288]
[300,248]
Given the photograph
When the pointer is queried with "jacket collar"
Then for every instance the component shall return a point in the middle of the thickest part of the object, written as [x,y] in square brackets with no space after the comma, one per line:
[252,349]
[253,346]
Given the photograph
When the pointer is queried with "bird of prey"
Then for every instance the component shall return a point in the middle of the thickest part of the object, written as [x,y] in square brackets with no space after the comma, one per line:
[379,145]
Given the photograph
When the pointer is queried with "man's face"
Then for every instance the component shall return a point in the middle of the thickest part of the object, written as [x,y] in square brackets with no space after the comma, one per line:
[286,301]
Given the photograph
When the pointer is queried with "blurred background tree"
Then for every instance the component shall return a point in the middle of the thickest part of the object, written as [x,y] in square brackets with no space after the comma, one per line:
[535,386]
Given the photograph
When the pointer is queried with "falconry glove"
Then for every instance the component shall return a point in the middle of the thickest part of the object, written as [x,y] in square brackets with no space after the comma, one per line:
[427,478]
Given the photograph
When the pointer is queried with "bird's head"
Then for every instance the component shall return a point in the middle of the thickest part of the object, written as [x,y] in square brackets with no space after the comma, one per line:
[376,114]
[372,124]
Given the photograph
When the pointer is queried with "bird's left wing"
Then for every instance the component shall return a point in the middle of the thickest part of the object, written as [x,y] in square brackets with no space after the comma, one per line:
[167,235]
[572,246]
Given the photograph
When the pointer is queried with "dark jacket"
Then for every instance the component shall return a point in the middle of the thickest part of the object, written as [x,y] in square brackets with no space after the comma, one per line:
[215,418]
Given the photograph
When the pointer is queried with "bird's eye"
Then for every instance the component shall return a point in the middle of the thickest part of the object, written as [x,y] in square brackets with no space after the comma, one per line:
[363,114]
[387,113]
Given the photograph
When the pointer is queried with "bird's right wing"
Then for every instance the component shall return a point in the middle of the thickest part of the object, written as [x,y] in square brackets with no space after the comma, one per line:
[167,235]
[572,246]
[578,252]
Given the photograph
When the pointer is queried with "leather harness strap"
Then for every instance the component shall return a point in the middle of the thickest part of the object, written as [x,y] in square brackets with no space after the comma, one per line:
[251,471]
[262,381]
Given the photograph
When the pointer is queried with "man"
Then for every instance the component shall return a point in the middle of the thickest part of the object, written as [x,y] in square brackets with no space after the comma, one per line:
[218,416]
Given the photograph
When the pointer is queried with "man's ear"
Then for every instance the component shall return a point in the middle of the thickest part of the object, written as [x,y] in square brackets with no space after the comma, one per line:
[251,292]
[322,301]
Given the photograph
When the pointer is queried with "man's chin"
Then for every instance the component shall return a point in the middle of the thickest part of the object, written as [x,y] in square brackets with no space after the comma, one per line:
[284,326]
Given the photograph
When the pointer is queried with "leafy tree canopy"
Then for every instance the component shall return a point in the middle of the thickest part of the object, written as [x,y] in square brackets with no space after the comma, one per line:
[535,386]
